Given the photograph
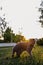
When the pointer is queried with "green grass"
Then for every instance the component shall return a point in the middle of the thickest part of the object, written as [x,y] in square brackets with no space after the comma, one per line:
[36,59]
[5,52]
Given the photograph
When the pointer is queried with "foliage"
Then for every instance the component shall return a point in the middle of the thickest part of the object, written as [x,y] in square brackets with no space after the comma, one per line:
[7,35]
[1,41]
[41,16]
[40,41]
[3,25]
[19,38]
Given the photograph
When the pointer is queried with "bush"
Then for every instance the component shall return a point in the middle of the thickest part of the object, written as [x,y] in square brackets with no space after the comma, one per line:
[1,41]
[40,41]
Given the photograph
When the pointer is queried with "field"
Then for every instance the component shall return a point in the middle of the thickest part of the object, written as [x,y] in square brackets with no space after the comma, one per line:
[36,59]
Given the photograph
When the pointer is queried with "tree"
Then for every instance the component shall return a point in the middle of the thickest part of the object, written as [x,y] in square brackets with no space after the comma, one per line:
[19,38]
[8,35]
[40,41]
[3,23]
[41,16]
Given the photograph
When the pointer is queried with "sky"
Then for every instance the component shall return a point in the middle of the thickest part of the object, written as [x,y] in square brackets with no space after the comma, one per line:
[22,15]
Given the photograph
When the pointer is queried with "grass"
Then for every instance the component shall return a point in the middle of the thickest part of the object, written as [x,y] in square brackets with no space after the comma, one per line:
[5,52]
[36,59]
